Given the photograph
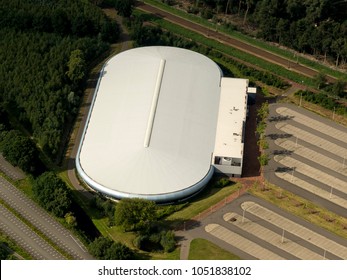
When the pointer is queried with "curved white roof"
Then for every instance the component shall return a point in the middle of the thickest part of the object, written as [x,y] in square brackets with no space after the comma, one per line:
[151,128]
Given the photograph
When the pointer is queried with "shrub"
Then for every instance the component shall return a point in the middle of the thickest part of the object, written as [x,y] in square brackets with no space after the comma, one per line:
[168,241]
[221,183]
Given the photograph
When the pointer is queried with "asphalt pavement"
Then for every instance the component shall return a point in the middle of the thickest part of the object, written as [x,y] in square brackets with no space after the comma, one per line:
[42,221]
[255,229]
[308,156]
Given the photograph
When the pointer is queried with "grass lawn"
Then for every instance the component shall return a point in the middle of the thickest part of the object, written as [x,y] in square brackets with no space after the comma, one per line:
[209,197]
[201,249]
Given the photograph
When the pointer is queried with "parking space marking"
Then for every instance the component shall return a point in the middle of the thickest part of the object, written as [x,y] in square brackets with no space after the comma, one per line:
[295,229]
[328,195]
[241,243]
[271,237]
[313,139]
[311,155]
[316,174]
[312,123]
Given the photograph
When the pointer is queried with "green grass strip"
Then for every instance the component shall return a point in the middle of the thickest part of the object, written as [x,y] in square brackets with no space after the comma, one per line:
[201,249]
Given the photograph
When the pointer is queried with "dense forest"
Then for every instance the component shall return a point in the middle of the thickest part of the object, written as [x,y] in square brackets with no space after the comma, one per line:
[45,49]
[317,27]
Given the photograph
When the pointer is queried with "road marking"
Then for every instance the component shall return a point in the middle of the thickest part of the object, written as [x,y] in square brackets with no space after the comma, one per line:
[314,173]
[312,123]
[312,139]
[271,237]
[81,246]
[312,156]
[295,229]
[241,243]
[328,195]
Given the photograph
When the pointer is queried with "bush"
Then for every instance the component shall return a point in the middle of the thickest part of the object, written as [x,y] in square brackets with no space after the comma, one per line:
[323,100]
[168,241]
[139,241]
[157,241]
[4,253]
[52,194]
[104,248]
[20,151]
[221,183]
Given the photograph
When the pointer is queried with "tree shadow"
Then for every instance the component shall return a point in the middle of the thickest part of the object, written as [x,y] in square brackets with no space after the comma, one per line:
[280,118]
[285,169]
[85,224]
[282,152]
[183,225]
[275,136]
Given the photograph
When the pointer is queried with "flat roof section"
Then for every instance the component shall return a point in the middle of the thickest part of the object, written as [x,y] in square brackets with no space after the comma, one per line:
[231,118]
[152,124]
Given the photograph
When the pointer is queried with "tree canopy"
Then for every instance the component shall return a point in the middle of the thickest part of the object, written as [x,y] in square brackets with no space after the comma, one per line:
[104,248]
[19,150]
[124,7]
[52,194]
[135,214]
[317,27]
[45,50]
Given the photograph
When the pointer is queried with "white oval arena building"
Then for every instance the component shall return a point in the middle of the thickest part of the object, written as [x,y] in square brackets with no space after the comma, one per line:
[152,125]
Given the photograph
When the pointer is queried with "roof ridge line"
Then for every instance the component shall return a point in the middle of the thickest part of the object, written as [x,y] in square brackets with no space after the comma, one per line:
[154,103]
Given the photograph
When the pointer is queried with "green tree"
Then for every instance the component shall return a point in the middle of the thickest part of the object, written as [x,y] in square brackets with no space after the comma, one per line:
[135,214]
[20,151]
[125,7]
[99,247]
[4,253]
[70,219]
[104,248]
[320,80]
[337,90]
[52,194]
[168,241]
[263,111]
[76,66]
[118,251]
[263,160]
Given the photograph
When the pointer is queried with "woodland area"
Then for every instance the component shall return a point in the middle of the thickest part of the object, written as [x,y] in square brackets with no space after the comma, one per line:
[45,50]
[316,27]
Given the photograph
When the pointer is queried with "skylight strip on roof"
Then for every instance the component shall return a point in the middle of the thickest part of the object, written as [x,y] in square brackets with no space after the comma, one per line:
[154,103]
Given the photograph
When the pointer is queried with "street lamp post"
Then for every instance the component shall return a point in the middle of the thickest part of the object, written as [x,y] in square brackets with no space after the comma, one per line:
[343,162]
[291,178]
[282,239]
[296,142]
